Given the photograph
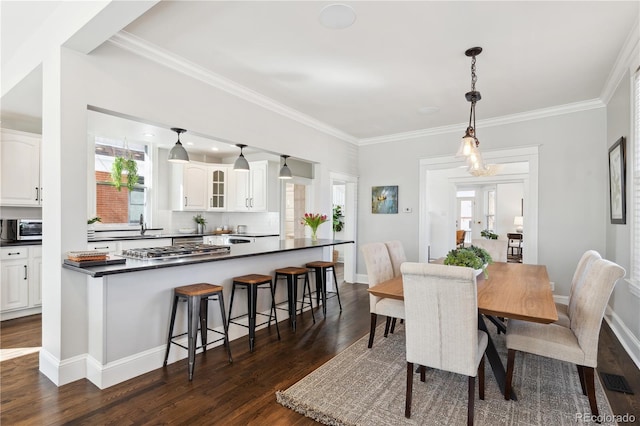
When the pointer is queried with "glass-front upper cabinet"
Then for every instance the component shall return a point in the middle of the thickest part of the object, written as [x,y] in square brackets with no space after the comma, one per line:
[218,184]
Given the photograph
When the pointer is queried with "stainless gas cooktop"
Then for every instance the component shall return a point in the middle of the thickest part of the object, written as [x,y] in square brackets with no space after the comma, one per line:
[176,251]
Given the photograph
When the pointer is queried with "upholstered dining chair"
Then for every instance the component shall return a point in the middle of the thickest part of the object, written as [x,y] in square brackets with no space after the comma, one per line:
[583,265]
[460,233]
[379,269]
[396,254]
[497,248]
[576,343]
[441,326]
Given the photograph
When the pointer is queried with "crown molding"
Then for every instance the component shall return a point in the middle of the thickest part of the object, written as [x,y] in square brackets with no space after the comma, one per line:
[627,58]
[489,122]
[163,57]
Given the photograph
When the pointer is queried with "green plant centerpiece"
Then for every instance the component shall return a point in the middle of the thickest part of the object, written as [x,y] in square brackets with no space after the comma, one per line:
[120,165]
[338,224]
[471,257]
[489,234]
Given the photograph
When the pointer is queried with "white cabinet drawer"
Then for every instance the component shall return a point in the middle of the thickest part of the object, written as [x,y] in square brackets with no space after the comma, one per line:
[14,253]
[109,246]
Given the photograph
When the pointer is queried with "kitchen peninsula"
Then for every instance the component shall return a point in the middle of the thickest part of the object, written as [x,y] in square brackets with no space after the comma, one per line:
[127,308]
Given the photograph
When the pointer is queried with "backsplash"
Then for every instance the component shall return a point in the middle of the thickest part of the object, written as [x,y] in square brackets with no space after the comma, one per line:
[257,223]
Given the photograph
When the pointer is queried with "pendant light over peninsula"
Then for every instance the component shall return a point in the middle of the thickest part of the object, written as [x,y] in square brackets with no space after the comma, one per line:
[178,154]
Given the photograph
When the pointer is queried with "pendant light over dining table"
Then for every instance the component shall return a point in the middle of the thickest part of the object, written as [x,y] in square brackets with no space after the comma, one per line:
[469,146]
[178,154]
[241,164]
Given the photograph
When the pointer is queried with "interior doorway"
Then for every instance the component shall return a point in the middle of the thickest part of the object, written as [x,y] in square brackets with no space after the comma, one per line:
[344,195]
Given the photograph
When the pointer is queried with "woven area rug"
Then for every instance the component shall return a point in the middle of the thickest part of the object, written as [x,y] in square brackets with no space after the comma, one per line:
[362,386]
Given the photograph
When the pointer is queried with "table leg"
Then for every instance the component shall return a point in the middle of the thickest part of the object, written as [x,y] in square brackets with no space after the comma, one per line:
[494,359]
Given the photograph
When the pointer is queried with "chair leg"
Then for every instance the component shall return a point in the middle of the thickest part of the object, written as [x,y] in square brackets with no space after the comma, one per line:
[393,325]
[308,286]
[507,386]
[470,403]
[372,331]
[171,323]
[273,307]
[481,379]
[387,326]
[423,373]
[581,376]
[407,404]
[225,325]
[589,381]
[204,311]
[335,280]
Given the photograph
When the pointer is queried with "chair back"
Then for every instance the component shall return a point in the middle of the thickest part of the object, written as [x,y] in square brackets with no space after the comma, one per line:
[591,297]
[460,233]
[584,264]
[441,316]
[379,268]
[497,248]
[396,253]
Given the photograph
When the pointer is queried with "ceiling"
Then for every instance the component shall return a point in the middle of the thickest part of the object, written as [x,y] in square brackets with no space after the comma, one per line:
[400,67]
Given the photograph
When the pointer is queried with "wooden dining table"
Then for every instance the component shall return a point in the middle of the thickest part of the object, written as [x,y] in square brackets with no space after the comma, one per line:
[512,290]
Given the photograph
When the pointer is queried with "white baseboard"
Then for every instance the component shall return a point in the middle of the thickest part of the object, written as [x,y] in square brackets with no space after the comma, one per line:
[106,375]
[62,372]
[629,342]
[362,278]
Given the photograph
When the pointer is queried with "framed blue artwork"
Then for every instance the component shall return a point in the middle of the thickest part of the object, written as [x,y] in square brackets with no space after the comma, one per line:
[384,199]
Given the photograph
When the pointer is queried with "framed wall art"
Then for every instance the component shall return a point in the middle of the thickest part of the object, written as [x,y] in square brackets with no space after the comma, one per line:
[617,182]
[384,199]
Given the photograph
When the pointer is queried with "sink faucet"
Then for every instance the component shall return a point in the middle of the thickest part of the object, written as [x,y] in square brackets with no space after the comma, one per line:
[142,227]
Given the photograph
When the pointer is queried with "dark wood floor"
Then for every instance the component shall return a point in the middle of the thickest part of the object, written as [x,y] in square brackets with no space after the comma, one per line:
[241,393]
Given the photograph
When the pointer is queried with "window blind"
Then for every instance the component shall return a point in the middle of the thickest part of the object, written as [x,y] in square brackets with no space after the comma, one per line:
[635,190]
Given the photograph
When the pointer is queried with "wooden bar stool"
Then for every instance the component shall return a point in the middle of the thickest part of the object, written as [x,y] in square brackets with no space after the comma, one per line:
[252,283]
[321,268]
[197,297]
[293,275]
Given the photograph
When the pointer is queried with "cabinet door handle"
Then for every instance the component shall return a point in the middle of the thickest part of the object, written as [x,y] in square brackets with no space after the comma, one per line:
[246,202]
[101,248]
[40,194]
[14,253]
[211,202]
[185,201]
[37,193]
[25,272]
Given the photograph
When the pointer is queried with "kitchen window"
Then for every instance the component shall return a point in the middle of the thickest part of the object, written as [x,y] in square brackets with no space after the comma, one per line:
[122,206]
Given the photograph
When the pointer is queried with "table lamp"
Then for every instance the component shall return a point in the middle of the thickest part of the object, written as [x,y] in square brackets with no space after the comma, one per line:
[518,221]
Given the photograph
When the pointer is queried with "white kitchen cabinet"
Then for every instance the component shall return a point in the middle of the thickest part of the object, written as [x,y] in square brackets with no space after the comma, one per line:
[14,278]
[217,187]
[20,281]
[20,169]
[189,186]
[257,190]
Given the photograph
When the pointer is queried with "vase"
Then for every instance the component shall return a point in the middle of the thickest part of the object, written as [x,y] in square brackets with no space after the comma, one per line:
[200,228]
[314,237]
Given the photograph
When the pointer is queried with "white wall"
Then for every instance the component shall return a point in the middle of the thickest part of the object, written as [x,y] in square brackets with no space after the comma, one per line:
[508,199]
[624,304]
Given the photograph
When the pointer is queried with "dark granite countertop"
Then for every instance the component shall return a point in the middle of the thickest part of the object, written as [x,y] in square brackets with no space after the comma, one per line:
[7,243]
[237,251]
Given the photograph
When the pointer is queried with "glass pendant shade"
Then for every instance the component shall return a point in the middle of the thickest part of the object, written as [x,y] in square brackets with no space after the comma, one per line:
[467,144]
[241,164]
[475,161]
[178,154]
